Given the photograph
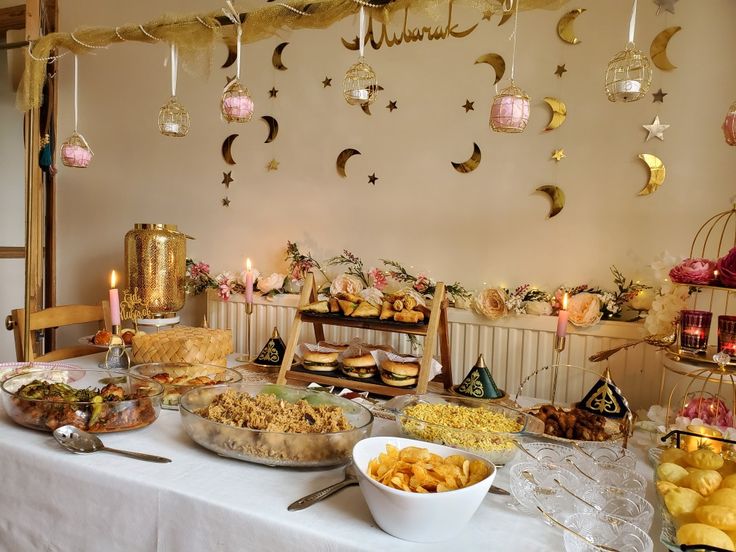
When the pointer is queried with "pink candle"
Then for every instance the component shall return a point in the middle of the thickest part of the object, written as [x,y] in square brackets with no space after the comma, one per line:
[562,318]
[114,301]
[248,282]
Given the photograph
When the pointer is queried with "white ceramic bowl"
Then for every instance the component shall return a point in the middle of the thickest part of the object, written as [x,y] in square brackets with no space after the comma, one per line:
[415,517]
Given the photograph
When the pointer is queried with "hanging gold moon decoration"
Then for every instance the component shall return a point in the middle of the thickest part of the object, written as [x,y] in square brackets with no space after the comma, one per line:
[657,173]
[276,59]
[564,26]
[505,17]
[495,61]
[559,113]
[658,49]
[273,128]
[231,55]
[342,158]
[227,153]
[366,108]
[471,164]
[556,196]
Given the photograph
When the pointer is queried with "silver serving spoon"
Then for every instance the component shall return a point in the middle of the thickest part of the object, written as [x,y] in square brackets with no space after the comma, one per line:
[79,441]
[580,498]
[561,525]
[538,489]
[351,478]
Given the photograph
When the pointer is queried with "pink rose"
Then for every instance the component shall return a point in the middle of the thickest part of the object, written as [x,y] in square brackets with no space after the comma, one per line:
[379,279]
[693,271]
[727,269]
[200,269]
[712,410]
[584,309]
[422,283]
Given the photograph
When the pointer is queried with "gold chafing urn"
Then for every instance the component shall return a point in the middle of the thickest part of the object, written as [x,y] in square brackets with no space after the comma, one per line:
[155,259]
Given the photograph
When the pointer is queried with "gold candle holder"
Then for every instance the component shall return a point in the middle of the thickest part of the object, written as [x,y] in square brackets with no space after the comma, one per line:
[246,356]
[559,346]
[690,443]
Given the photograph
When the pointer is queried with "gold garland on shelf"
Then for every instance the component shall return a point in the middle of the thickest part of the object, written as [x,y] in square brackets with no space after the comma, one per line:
[195,35]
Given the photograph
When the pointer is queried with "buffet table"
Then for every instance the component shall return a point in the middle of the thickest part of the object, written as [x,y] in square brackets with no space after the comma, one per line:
[58,501]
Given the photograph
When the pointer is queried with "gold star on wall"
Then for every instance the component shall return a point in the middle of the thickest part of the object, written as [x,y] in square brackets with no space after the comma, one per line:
[273,92]
[229,79]
[226,202]
[372,179]
[559,154]
[392,105]
[656,129]
[468,106]
[560,70]
[327,82]
[659,96]
[487,15]
[666,5]
[272,165]
[227,178]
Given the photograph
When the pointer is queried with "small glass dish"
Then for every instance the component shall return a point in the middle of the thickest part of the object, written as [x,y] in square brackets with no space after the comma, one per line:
[545,452]
[100,401]
[611,453]
[605,530]
[179,377]
[497,446]
[533,484]
[275,448]
[617,502]
[607,474]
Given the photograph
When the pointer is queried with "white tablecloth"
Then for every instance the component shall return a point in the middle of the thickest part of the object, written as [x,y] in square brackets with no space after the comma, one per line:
[53,500]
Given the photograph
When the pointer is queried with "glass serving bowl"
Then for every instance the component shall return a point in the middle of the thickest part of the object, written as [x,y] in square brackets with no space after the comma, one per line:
[606,530]
[533,484]
[10,369]
[602,452]
[607,474]
[545,452]
[185,376]
[614,501]
[496,444]
[272,448]
[31,407]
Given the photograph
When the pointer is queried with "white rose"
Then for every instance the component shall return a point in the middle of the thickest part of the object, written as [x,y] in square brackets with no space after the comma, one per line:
[584,309]
[373,295]
[491,303]
[540,308]
[346,283]
[270,283]
[461,302]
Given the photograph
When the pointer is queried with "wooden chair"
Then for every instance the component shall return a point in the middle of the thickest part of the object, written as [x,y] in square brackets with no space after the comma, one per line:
[55,317]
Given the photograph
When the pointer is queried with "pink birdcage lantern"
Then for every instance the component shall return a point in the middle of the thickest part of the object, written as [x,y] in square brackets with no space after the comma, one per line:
[729,126]
[75,152]
[510,110]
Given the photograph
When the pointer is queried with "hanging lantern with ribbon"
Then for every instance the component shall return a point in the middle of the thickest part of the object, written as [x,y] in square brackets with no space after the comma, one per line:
[510,107]
[75,151]
[173,118]
[360,85]
[729,125]
[629,73]
[236,105]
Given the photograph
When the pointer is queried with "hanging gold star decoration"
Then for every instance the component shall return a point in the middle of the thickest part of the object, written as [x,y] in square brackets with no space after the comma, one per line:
[227,178]
[272,165]
[273,92]
[226,201]
[468,106]
[372,179]
[560,70]
[666,5]
[392,105]
[487,14]
[327,82]
[656,129]
[559,154]
[659,96]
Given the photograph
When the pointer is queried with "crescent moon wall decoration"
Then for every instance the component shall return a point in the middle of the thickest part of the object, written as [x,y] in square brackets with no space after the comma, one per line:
[342,158]
[227,145]
[276,58]
[658,49]
[564,26]
[557,198]
[559,113]
[471,164]
[366,108]
[657,173]
[231,55]
[495,61]
[273,128]
[505,17]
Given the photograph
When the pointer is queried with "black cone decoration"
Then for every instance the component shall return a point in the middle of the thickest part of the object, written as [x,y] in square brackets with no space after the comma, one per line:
[605,399]
[273,352]
[479,383]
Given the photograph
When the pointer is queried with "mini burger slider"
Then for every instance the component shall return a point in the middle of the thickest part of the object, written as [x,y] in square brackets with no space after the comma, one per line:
[320,362]
[399,374]
[361,367]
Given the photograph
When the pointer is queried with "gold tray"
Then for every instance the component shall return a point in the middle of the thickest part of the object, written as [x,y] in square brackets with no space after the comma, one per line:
[677,354]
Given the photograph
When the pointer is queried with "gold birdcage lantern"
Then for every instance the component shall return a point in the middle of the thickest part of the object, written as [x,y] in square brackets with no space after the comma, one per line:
[236,105]
[75,152]
[510,110]
[173,119]
[360,84]
[729,125]
[628,75]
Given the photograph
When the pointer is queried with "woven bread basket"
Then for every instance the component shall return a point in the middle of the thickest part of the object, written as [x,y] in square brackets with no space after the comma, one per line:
[184,344]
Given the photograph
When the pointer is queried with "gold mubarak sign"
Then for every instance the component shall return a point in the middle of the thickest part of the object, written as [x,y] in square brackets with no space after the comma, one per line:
[407,35]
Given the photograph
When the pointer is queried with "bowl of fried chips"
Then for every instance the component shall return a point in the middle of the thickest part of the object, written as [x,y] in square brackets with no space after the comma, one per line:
[418,491]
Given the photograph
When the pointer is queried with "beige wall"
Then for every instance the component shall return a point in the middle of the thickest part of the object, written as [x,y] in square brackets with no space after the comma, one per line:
[485,226]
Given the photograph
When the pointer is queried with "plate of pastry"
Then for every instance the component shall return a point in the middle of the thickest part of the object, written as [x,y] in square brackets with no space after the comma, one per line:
[103,338]
[577,425]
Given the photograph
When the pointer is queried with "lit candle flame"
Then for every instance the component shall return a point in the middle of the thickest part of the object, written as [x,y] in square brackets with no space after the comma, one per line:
[565,298]
[113,280]
[248,266]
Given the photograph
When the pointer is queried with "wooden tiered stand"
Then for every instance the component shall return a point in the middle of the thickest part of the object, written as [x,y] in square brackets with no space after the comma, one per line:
[435,328]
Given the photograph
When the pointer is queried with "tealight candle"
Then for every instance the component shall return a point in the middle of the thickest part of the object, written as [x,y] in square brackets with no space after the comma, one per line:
[727,334]
[694,329]
[691,442]
[173,128]
[360,94]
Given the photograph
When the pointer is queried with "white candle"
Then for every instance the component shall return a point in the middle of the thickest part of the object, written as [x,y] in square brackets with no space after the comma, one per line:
[174,128]
[248,282]
[114,301]
[360,94]
[562,317]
